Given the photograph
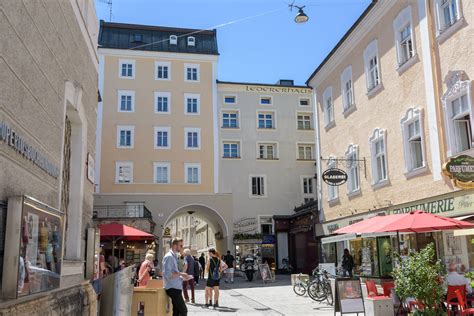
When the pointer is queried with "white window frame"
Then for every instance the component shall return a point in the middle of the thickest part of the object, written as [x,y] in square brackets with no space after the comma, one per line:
[198,72]
[276,148]
[164,95]
[350,167]
[162,164]
[328,117]
[232,141]
[191,41]
[312,145]
[163,64]
[128,93]
[119,164]
[192,130]
[155,136]
[377,135]
[130,128]
[274,125]
[192,96]
[313,186]
[192,165]
[404,19]
[126,61]
[370,52]
[260,222]
[412,115]
[229,96]
[265,186]
[230,111]
[346,76]
[333,191]
[458,84]
[304,98]
[173,40]
[443,31]
[265,97]
[310,114]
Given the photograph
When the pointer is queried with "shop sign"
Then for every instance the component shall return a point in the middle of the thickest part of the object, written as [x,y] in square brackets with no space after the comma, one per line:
[334,177]
[277,89]
[268,239]
[461,170]
[245,225]
[18,143]
[90,168]
[167,233]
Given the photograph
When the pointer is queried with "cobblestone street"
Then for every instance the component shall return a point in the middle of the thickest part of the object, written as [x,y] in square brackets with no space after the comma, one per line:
[255,298]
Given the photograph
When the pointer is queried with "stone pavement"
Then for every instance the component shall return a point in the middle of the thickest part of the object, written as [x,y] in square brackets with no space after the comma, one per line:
[255,298]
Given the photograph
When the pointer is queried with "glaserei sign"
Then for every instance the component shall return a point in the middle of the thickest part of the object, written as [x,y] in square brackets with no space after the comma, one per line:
[334,177]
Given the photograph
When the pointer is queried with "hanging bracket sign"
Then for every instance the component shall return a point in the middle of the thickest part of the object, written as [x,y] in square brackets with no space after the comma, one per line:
[334,177]
[461,170]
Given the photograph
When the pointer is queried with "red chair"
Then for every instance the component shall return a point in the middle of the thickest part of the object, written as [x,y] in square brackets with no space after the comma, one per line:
[462,304]
[372,289]
[451,295]
[387,288]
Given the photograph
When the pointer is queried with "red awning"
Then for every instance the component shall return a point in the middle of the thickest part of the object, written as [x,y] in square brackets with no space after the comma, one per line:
[116,230]
[413,222]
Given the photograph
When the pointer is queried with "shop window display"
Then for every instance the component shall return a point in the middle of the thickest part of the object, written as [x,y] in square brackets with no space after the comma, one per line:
[328,253]
[385,256]
[364,252]
[40,250]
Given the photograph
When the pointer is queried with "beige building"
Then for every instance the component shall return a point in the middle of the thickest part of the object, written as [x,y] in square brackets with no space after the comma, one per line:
[394,103]
[48,106]
[156,128]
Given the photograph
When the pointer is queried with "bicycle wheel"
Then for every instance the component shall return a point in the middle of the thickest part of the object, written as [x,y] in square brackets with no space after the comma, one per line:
[329,296]
[316,292]
[299,289]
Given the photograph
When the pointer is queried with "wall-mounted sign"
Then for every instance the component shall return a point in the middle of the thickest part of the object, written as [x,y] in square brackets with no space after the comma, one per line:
[461,170]
[11,137]
[167,233]
[278,89]
[245,225]
[334,176]
[90,168]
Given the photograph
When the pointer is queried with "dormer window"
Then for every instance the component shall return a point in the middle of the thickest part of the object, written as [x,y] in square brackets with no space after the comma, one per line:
[191,41]
[137,38]
[173,40]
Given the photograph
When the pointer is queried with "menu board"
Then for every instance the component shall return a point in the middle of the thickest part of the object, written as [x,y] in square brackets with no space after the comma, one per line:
[265,272]
[349,297]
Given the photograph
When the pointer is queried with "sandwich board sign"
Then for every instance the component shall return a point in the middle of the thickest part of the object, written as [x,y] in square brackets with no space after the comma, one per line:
[348,297]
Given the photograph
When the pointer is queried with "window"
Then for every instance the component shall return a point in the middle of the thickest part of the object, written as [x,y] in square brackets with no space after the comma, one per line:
[191,103]
[402,27]
[162,102]
[191,72]
[304,102]
[267,151]
[193,173]
[265,120]
[123,172]
[231,150]
[406,44]
[230,99]
[125,136]
[328,107]
[191,41]
[413,139]
[304,121]
[161,172]
[308,200]
[371,62]
[163,70]
[307,185]
[458,112]
[230,119]
[266,100]
[126,101]
[257,186]
[379,157]
[266,225]
[352,155]
[333,193]
[127,68]
[162,138]
[193,138]
[346,87]
[305,151]
[448,13]
[173,40]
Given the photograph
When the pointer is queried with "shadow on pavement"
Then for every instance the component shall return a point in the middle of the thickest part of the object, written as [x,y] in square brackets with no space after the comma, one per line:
[222,309]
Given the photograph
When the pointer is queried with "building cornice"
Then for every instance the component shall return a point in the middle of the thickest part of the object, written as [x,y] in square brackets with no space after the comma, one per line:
[130,53]
[261,84]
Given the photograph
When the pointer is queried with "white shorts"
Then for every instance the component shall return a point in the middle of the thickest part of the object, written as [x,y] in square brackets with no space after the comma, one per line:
[229,270]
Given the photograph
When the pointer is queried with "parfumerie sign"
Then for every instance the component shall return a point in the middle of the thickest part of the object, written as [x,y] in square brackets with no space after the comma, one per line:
[277,89]
[10,137]
[461,170]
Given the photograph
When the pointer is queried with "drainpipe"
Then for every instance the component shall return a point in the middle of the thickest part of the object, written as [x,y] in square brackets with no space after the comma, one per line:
[319,189]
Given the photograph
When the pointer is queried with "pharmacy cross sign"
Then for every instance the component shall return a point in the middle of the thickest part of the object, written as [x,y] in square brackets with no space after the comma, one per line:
[335,177]
[461,170]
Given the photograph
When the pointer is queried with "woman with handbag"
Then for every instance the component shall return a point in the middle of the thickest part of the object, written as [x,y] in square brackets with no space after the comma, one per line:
[214,266]
[145,270]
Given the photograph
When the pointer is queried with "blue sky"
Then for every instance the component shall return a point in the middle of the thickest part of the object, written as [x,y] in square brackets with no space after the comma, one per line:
[262,49]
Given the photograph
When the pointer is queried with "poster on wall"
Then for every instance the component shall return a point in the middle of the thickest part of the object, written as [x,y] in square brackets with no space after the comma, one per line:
[348,298]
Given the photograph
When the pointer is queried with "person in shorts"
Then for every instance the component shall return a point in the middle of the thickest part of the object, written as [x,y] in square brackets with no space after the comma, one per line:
[229,272]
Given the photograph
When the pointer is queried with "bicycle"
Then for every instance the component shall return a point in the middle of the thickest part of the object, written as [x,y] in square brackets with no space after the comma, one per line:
[320,288]
[300,287]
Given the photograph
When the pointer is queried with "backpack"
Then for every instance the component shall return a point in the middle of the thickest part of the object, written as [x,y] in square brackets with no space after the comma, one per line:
[215,273]
[196,267]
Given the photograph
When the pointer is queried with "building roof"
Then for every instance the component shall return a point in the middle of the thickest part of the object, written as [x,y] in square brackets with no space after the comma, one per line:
[156,38]
[263,84]
[333,51]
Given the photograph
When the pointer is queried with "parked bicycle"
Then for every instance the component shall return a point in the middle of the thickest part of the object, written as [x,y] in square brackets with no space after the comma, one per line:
[320,288]
[301,286]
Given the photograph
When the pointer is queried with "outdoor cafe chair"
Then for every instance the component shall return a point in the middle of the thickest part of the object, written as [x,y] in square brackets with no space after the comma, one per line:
[451,297]
[462,304]
[387,288]
[372,289]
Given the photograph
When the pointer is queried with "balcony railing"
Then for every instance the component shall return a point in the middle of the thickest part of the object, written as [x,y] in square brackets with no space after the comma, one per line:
[121,211]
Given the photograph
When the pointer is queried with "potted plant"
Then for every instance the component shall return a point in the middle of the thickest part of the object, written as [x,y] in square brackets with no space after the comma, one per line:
[418,276]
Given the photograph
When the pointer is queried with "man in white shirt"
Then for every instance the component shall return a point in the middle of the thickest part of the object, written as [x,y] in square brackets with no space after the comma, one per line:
[454,278]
